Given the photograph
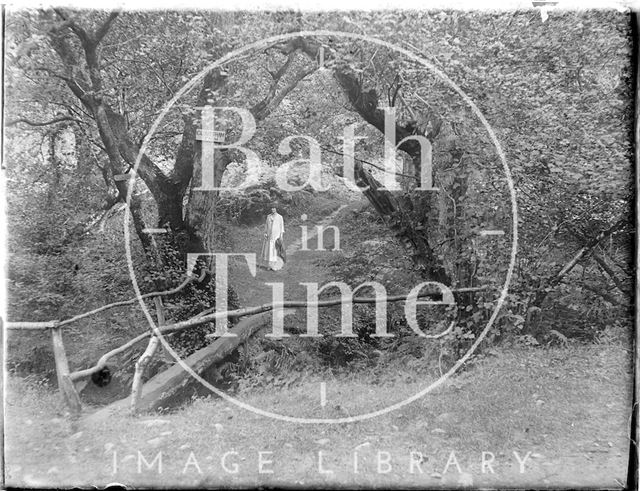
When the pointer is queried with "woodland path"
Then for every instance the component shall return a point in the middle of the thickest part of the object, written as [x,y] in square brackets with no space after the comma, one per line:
[299,267]
[170,386]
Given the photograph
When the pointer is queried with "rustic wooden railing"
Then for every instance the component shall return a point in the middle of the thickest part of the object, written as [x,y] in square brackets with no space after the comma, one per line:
[66,378]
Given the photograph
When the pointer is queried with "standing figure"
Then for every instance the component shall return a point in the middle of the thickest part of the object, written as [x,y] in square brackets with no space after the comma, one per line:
[273,231]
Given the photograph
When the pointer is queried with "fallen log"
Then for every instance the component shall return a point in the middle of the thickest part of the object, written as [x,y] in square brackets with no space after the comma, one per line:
[165,385]
[553,281]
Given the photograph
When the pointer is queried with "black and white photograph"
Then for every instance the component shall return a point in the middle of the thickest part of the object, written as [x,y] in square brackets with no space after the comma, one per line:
[314,245]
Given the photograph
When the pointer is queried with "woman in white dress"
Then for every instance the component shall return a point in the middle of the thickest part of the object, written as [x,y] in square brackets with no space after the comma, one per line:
[273,230]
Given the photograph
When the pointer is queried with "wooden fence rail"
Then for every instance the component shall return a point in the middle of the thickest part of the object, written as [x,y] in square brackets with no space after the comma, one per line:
[66,378]
[39,326]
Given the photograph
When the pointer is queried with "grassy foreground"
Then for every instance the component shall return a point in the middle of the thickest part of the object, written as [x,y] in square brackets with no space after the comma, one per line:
[536,417]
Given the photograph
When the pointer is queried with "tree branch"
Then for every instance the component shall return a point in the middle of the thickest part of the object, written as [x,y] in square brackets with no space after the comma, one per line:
[90,47]
[273,98]
[400,174]
[554,280]
[277,98]
[277,75]
[102,31]
[624,267]
[69,22]
[610,272]
[111,125]
[234,314]
[55,323]
[385,203]
[61,46]
[43,123]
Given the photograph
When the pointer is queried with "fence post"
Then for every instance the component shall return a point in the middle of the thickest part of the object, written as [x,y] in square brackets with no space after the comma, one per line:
[141,364]
[65,385]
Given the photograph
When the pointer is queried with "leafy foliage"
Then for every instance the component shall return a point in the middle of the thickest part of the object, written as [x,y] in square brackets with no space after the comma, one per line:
[557,94]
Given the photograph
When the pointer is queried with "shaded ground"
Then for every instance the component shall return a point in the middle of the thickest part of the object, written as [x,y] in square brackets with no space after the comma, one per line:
[300,262]
[300,266]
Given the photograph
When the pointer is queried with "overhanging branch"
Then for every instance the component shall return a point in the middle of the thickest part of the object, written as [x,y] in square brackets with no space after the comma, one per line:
[43,123]
[102,31]
[274,97]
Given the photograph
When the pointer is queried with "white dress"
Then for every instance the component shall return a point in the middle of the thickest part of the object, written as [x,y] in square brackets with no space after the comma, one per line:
[274,229]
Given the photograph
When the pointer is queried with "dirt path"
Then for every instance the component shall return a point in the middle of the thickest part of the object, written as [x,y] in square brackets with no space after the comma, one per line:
[252,291]
[298,268]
